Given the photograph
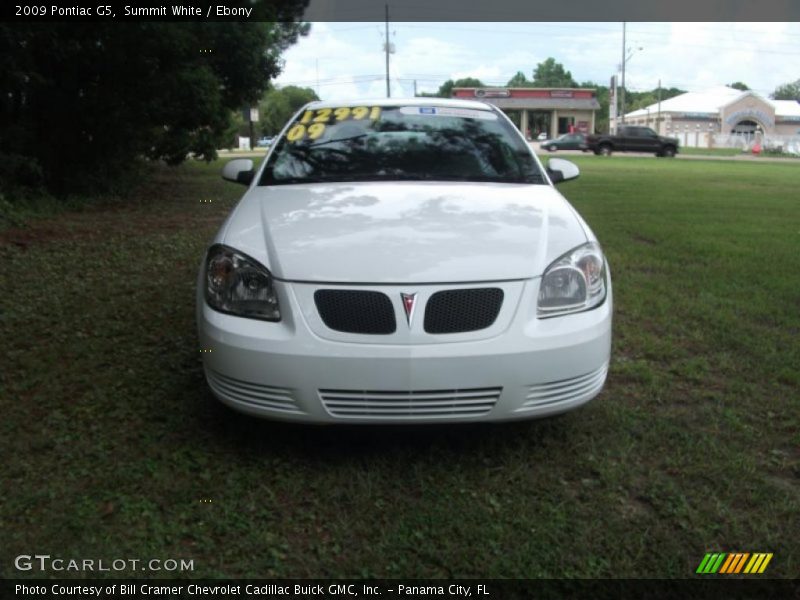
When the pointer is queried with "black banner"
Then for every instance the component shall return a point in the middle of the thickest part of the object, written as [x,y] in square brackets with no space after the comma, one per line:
[402,10]
[711,588]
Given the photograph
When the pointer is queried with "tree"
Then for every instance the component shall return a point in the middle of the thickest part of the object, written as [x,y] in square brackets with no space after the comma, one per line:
[637,100]
[738,85]
[787,91]
[550,74]
[279,104]
[446,89]
[602,94]
[519,80]
[82,101]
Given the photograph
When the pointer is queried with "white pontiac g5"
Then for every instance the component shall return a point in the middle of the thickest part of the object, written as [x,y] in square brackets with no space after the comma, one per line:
[403,261]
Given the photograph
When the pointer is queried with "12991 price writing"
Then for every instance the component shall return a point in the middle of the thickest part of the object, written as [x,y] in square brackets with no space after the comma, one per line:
[313,122]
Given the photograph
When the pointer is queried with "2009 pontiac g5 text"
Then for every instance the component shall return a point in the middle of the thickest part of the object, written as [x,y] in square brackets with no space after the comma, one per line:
[403,261]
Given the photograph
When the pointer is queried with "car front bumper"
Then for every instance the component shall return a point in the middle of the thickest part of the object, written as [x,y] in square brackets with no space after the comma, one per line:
[521,367]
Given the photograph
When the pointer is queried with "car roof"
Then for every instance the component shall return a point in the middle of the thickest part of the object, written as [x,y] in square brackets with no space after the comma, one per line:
[449,102]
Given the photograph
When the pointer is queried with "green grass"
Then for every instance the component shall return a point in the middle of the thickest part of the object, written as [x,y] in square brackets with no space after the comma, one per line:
[710,151]
[723,152]
[110,438]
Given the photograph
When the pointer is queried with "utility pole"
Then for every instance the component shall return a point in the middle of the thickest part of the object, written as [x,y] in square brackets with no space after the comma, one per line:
[613,104]
[658,120]
[386,46]
[415,88]
[622,89]
[252,131]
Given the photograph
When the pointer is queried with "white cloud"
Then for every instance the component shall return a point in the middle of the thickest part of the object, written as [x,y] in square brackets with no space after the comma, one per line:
[428,55]
[335,63]
[347,60]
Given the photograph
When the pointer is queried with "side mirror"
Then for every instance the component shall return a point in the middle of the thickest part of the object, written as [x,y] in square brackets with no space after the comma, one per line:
[562,170]
[239,170]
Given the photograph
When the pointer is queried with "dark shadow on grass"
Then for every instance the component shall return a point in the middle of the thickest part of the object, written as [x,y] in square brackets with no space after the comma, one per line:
[231,432]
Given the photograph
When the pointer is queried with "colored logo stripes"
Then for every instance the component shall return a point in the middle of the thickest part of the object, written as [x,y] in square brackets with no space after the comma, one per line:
[729,563]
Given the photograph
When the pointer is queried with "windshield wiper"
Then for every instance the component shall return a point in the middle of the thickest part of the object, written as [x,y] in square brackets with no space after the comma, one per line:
[291,180]
[343,139]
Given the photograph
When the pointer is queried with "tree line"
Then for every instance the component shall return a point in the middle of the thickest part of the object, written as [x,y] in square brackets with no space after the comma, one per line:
[278,104]
[81,103]
[552,74]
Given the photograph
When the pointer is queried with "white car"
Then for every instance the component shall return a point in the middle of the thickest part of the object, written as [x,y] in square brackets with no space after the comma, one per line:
[403,261]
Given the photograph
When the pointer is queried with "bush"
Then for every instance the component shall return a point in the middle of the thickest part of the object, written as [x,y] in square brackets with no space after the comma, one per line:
[81,102]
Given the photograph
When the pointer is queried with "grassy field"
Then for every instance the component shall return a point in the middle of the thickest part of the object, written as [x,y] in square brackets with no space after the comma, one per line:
[727,152]
[113,447]
[711,151]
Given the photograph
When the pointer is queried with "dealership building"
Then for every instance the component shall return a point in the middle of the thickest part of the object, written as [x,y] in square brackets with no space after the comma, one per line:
[535,110]
[721,116]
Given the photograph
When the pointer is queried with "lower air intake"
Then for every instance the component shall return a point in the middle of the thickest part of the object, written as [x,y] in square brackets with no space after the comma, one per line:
[401,405]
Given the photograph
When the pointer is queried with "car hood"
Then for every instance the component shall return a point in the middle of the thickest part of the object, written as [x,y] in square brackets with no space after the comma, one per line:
[406,232]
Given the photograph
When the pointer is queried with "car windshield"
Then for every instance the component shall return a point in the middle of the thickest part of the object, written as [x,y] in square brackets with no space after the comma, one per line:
[400,143]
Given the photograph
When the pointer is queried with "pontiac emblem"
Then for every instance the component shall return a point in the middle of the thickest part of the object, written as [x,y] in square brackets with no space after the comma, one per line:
[409,302]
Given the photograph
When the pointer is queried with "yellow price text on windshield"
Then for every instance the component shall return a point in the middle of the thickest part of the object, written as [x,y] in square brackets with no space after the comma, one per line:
[312,123]
[315,130]
[300,131]
[323,115]
[296,133]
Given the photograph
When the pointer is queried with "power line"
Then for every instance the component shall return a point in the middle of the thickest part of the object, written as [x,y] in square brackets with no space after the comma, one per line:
[753,48]
[342,80]
[732,43]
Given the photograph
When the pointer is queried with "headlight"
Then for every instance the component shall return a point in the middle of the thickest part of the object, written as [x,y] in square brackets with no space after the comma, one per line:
[239,285]
[573,282]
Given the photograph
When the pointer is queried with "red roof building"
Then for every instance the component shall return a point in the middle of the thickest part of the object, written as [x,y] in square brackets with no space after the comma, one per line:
[552,111]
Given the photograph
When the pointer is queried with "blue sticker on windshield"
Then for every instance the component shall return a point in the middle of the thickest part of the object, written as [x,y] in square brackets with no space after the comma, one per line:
[449,111]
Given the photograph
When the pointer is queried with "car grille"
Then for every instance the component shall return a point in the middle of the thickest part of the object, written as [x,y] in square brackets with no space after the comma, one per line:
[353,311]
[565,390]
[253,394]
[410,404]
[457,311]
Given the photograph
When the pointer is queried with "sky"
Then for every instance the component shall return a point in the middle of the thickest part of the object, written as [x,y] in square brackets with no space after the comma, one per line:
[346,60]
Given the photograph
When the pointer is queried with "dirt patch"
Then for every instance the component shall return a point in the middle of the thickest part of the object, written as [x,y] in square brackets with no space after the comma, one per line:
[98,225]
[640,239]
[22,238]
[785,484]
[636,507]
